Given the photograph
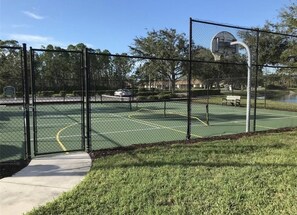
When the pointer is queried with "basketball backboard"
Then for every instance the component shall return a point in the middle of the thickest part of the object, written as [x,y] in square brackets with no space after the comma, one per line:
[220,45]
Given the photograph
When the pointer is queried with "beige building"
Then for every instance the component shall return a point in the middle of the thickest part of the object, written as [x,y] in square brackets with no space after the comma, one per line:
[179,84]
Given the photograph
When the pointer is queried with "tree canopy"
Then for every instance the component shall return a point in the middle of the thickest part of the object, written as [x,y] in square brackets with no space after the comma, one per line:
[164,44]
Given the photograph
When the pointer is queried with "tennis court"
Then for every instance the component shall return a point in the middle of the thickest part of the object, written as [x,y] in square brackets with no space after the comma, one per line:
[59,127]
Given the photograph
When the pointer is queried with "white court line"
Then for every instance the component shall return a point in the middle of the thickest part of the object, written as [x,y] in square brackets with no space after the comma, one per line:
[137,121]
[236,122]
[47,125]
[56,116]
[44,138]
[278,112]
[124,131]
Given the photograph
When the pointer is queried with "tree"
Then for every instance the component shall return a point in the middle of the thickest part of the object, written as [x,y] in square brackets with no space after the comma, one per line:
[288,56]
[271,46]
[202,70]
[58,70]
[162,44]
[122,66]
[10,65]
[288,23]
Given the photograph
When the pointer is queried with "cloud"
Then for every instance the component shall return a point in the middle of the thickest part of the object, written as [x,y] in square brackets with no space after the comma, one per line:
[30,38]
[33,15]
[37,41]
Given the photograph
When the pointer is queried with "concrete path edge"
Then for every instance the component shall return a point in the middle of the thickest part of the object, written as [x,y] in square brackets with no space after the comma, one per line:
[43,180]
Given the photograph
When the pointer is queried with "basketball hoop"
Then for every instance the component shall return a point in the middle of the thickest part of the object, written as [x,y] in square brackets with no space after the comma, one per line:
[224,44]
[221,45]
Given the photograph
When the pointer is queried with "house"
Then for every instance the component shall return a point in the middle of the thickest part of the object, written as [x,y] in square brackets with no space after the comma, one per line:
[181,84]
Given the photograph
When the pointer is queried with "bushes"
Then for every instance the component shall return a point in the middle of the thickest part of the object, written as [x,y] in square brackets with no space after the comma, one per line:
[275,87]
[141,98]
[155,96]
[146,93]
[46,93]
[206,92]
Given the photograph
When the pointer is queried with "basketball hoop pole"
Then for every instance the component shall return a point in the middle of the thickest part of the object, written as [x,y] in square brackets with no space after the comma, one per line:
[248,94]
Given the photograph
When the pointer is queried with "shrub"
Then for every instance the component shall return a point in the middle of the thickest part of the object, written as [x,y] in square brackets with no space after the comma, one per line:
[47,93]
[167,95]
[141,98]
[153,97]
[19,94]
[62,93]
[275,87]
[205,92]
[77,93]
[146,93]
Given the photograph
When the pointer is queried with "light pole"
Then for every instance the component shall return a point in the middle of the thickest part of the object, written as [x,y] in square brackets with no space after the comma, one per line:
[248,95]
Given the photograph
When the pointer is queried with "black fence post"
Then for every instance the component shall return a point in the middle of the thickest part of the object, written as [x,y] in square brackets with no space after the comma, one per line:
[82,94]
[86,94]
[27,102]
[188,137]
[33,94]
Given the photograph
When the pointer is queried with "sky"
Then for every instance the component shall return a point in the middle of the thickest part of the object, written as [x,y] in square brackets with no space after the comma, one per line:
[114,24]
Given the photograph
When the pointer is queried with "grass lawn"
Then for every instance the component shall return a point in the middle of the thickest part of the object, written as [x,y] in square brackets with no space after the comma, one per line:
[251,175]
[269,104]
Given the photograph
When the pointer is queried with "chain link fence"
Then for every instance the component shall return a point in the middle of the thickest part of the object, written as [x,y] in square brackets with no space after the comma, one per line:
[91,100]
[13,134]
[273,76]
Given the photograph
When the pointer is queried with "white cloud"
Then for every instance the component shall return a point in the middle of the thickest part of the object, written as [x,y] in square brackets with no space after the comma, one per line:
[30,38]
[33,15]
[37,41]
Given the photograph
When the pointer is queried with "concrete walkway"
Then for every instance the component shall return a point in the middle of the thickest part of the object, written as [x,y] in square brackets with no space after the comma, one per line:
[44,179]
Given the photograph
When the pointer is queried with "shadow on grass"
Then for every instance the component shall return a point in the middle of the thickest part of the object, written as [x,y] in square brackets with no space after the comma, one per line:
[158,164]
[203,152]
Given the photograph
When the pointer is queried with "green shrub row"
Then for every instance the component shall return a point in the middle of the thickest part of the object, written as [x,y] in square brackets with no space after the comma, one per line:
[17,94]
[205,92]
[161,96]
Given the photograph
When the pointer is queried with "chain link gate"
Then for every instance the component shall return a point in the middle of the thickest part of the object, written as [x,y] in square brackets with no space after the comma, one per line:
[58,99]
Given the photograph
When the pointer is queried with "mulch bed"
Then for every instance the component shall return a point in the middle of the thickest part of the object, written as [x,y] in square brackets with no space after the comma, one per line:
[9,168]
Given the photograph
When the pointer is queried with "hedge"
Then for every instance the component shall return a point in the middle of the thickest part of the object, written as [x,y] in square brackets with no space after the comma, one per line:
[196,93]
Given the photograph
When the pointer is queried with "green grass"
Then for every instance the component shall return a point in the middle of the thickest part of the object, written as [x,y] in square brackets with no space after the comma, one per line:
[251,175]
[270,104]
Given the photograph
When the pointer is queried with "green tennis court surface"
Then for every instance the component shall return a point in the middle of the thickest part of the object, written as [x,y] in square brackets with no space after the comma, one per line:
[59,126]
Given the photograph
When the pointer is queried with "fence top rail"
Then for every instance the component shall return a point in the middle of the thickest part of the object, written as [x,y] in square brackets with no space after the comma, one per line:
[242,28]
[61,50]
[10,47]
[145,57]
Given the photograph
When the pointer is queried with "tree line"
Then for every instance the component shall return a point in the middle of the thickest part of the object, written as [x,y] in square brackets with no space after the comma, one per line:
[161,56]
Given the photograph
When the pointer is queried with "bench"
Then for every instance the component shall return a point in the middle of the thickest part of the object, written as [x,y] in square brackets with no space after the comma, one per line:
[233,100]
